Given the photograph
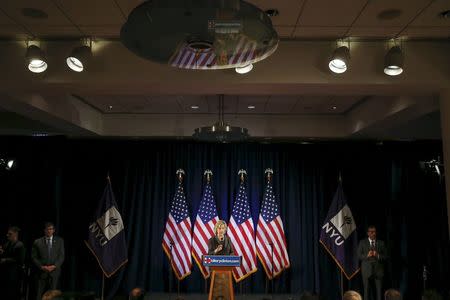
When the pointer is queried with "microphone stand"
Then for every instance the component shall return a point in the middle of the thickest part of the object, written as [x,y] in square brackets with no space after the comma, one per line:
[424,277]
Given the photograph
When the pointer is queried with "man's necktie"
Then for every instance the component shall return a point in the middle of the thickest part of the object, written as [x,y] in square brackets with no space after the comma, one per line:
[49,246]
[372,245]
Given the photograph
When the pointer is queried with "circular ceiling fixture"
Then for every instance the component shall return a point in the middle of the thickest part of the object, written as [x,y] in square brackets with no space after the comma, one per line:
[202,34]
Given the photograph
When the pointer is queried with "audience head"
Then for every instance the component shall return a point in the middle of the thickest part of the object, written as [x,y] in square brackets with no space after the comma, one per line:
[351,295]
[49,229]
[307,295]
[137,294]
[13,233]
[431,295]
[51,294]
[392,294]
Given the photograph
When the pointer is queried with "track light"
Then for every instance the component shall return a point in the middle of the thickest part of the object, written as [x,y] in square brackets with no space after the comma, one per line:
[78,58]
[339,60]
[36,59]
[244,69]
[393,61]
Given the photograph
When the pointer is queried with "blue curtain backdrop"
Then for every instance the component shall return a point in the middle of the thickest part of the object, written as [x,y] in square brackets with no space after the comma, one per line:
[62,180]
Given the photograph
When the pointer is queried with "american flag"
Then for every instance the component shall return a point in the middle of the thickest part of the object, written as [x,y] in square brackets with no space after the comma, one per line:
[270,235]
[245,52]
[178,234]
[242,235]
[204,228]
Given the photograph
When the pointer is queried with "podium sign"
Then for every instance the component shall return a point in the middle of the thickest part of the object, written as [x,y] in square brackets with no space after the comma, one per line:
[221,280]
[221,261]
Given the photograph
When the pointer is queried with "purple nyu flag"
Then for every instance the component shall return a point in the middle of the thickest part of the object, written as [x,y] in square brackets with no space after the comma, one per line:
[338,235]
[106,238]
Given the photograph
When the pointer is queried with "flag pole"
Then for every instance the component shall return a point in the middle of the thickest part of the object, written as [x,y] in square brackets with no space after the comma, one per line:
[208,174]
[180,173]
[341,279]
[103,285]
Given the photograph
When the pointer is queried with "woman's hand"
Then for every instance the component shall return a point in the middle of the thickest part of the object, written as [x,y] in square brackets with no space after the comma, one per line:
[219,248]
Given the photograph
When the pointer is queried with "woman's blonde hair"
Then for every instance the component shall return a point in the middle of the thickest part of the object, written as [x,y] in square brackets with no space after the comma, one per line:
[352,295]
[219,223]
[51,294]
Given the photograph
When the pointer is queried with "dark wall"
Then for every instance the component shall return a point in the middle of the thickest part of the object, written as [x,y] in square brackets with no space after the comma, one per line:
[62,180]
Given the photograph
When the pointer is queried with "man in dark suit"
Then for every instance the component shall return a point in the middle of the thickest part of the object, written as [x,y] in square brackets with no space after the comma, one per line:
[372,254]
[47,255]
[12,258]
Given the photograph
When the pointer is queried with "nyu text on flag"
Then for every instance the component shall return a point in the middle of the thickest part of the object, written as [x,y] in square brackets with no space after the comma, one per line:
[338,235]
[106,237]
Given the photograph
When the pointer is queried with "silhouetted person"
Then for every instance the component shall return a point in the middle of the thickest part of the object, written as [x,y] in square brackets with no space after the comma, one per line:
[12,257]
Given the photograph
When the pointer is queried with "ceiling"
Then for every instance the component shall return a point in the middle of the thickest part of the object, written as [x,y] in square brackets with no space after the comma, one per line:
[293,93]
[304,19]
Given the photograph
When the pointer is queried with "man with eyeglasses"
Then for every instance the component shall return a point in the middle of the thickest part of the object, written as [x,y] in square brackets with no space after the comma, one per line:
[372,254]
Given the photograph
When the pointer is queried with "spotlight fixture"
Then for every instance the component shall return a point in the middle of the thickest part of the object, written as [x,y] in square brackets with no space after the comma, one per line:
[7,164]
[78,58]
[221,131]
[36,59]
[432,166]
[393,62]
[244,69]
[339,60]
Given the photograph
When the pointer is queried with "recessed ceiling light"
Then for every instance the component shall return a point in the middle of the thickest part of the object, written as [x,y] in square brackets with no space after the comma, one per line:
[389,14]
[251,107]
[334,107]
[244,69]
[110,107]
[273,12]
[34,13]
[195,106]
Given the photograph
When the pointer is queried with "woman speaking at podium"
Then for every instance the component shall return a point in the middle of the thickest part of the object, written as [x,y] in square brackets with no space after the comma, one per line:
[220,243]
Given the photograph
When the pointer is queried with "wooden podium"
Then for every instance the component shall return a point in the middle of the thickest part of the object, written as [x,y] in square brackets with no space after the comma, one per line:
[221,287]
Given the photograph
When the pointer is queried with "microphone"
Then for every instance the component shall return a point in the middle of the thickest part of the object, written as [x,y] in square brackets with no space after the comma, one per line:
[424,274]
